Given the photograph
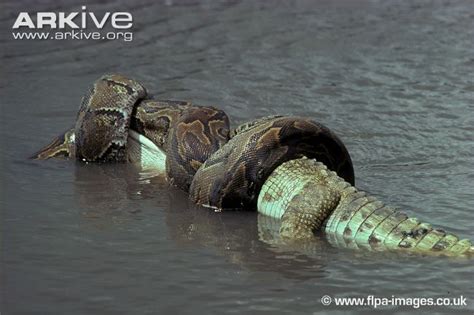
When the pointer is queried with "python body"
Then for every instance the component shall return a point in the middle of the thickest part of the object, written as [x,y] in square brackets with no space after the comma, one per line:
[289,168]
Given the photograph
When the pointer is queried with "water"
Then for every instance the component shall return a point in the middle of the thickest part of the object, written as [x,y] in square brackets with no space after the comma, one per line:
[392,79]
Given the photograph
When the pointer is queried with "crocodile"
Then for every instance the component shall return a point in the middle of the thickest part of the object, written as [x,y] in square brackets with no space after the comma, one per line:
[307,198]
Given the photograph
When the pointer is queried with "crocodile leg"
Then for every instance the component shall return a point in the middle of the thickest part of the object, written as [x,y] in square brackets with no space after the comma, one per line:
[315,203]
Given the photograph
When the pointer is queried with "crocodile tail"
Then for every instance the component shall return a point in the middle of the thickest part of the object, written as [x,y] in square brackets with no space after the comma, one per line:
[364,221]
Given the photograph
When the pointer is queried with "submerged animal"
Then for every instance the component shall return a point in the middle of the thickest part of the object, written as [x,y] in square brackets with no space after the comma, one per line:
[289,168]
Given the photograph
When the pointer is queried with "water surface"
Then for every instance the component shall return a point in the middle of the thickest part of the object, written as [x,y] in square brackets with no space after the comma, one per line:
[392,79]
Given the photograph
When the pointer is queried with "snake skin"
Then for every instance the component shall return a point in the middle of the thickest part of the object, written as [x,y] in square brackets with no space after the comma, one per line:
[201,157]
[232,177]
[103,120]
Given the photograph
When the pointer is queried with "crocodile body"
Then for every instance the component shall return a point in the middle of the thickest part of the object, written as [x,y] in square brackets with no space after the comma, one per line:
[308,197]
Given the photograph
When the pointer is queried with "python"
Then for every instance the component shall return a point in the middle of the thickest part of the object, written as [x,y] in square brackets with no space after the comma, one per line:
[291,169]
[60,20]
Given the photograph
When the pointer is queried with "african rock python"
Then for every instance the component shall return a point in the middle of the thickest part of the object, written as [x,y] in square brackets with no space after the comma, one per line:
[220,168]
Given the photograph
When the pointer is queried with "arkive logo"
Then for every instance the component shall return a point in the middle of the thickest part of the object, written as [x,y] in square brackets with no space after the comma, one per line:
[83,25]
[74,20]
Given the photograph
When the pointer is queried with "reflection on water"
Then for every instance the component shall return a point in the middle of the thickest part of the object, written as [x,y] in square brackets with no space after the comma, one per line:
[108,192]
[106,195]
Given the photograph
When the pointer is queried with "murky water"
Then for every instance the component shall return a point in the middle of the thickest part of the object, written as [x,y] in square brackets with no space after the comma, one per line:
[394,80]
